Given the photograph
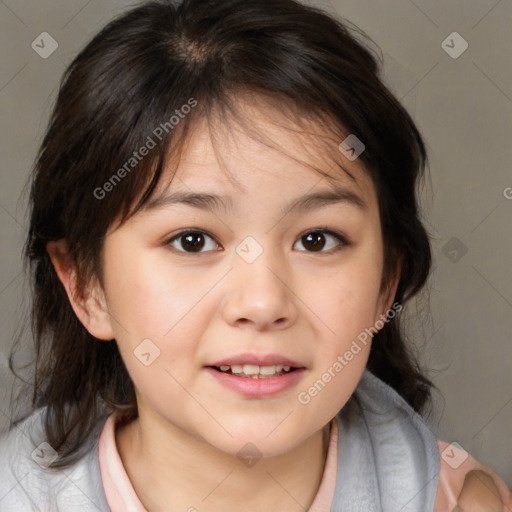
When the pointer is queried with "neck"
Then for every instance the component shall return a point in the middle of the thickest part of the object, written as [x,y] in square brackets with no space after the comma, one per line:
[181,472]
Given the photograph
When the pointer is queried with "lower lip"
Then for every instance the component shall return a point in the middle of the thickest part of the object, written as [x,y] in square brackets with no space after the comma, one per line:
[258,388]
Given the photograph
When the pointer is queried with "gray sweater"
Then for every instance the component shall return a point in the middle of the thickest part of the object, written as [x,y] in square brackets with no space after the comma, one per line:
[388,461]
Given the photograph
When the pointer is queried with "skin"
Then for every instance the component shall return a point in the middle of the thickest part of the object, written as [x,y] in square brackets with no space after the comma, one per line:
[479,494]
[181,451]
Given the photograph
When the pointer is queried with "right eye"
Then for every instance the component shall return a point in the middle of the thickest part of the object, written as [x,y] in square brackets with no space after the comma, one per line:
[191,242]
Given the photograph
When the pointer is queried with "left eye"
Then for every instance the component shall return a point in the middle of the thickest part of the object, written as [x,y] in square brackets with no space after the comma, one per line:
[313,241]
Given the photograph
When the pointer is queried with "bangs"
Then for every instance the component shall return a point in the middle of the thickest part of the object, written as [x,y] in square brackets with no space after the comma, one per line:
[318,134]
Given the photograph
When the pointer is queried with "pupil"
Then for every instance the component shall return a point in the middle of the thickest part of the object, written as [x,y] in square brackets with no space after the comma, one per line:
[316,240]
[190,241]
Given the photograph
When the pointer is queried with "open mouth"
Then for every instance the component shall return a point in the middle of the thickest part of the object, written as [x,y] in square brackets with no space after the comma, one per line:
[252,371]
[273,375]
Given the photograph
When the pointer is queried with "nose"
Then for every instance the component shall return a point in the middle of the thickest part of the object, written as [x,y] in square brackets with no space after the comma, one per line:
[260,296]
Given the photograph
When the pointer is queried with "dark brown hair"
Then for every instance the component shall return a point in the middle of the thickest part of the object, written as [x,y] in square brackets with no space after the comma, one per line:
[132,78]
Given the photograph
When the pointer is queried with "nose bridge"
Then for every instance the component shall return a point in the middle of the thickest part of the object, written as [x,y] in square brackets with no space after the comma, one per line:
[259,294]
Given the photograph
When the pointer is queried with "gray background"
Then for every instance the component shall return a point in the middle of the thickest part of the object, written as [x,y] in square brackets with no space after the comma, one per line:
[462,106]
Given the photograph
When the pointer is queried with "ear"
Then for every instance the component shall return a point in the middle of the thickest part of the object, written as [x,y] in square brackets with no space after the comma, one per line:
[90,307]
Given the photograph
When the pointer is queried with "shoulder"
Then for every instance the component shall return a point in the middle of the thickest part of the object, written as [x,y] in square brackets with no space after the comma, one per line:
[394,447]
[19,469]
[388,457]
[18,466]
[28,484]
[466,485]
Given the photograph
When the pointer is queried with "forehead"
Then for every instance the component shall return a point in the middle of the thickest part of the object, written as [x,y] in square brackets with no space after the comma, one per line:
[262,146]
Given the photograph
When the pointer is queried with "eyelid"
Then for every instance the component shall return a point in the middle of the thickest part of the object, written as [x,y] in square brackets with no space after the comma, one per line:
[341,237]
[186,231]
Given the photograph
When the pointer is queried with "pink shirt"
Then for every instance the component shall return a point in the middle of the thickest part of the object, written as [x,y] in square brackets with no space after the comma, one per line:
[121,496]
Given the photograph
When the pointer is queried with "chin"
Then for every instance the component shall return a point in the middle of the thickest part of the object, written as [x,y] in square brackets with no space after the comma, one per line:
[255,443]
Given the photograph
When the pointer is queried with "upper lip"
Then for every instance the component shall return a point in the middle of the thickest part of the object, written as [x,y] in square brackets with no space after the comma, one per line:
[258,360]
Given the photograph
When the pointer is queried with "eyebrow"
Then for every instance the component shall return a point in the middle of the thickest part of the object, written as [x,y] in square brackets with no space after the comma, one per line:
[213,202]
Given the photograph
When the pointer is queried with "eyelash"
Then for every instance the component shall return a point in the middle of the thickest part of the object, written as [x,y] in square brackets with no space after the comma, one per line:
[338,236]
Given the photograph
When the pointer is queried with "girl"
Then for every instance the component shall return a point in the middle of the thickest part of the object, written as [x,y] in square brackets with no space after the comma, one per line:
[224,230]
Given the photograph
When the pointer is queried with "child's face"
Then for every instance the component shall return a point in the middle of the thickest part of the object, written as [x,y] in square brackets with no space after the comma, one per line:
[254,287]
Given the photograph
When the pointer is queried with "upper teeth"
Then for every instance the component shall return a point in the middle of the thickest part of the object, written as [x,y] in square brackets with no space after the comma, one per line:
[253,369]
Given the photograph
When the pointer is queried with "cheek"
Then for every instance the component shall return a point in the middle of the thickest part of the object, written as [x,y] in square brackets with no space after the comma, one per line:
[351,300]
[348,307]
[342,351]
[153,311]
[148,296]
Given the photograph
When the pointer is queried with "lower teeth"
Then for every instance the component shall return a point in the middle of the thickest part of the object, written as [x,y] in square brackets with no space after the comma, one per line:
[244,376]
